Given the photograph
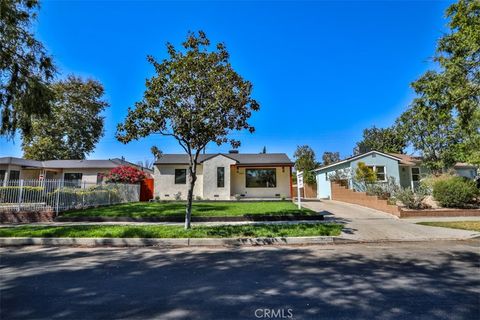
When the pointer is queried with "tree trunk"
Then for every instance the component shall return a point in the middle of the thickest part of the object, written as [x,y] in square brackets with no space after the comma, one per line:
[192,177]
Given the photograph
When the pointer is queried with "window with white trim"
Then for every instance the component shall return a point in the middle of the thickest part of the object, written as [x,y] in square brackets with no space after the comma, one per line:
[380,172]
[415,174]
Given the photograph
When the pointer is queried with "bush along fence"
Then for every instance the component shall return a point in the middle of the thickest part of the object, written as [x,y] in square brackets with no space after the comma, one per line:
[61,195]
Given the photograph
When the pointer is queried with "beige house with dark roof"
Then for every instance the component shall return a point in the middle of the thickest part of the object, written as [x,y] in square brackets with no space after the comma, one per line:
[83,171]
[223,176]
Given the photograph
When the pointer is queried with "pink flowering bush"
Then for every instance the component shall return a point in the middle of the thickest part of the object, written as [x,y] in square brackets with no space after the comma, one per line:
[125,174]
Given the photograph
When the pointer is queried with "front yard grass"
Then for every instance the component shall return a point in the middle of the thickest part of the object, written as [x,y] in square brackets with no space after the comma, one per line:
[199,209]
[162,231]
[467,225]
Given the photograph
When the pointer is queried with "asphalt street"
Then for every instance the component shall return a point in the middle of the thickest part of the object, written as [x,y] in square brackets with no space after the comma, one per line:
[408,280]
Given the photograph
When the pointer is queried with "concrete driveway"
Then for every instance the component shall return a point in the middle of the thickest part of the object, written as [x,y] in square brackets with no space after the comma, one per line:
[364,224]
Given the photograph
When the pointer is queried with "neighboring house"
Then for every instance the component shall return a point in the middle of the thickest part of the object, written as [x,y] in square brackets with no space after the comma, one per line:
[223,176]
[406,170]
[82,171]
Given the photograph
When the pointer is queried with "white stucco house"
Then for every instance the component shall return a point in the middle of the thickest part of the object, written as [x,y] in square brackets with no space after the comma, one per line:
[223,176]
[406,170]
[82,171]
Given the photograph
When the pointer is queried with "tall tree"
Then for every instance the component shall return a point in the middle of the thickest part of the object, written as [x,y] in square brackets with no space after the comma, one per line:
[74,126]
[305,160]
[330,157]
[448,99]
[264,150]
[381,139]
[432,131]
[25,68]
[195,97]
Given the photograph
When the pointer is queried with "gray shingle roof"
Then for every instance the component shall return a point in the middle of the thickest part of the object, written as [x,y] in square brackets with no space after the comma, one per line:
[67,164]
[241,158]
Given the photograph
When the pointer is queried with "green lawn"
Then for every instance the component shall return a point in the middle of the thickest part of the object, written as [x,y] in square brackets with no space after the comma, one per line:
[200,209]
[162,231]
[467,225]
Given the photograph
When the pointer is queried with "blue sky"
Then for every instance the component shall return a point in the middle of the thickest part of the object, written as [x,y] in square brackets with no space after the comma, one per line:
[322,71]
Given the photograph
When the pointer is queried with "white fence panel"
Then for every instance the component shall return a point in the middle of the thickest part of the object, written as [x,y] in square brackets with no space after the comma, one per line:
[61,195]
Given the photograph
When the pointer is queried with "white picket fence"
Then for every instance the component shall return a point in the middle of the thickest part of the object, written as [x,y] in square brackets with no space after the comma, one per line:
[61,195]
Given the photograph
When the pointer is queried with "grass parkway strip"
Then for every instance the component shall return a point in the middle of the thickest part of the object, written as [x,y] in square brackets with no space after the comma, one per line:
[466,225]
[129,231]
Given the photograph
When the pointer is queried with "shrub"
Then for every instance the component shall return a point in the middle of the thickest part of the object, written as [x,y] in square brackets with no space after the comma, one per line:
[178,196]
[10,194]
[455,192]
[365,174]
[238,197]
[125,174]
[383,190]
[198,198]
[411,199]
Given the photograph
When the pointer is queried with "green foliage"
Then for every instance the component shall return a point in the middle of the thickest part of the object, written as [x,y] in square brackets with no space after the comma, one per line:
[25,68]
[364,174]
[443,122]
[73,197]
[11,194]
[456,192]
[225,231]
[199,209]
[330,157]
[74,126]
[412,199]
[381,139]
[197,98]
[305,161]
[383,190]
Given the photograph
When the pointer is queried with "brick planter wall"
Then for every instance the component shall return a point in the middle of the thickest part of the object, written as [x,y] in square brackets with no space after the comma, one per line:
[341,193]
[26,217]
[408,213]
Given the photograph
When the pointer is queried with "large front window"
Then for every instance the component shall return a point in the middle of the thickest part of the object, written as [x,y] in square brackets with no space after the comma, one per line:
[73,179]
[261,178]
[180,176]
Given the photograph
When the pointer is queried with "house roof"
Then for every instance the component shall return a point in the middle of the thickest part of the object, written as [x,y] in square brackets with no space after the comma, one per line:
[403,159]
[358,156]
[465,165]
[68,164]
[240,158]
[407,159]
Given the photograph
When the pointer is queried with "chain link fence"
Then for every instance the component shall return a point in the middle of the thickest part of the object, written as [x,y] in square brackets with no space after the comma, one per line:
[61,195]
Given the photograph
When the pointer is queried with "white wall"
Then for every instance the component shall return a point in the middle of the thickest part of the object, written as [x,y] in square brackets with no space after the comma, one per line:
[164,182]
[466,172]
[210,189]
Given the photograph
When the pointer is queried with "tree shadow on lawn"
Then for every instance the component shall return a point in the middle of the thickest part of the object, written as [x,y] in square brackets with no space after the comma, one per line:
[231,284]
[176,209]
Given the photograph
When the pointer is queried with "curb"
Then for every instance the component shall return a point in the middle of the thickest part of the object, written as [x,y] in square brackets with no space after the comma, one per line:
[170,242]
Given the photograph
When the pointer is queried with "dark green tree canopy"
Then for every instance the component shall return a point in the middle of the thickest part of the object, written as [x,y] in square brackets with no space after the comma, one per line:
[305,160]
[74,126]
[443,121]
[195,97]
[330,157]
[25,68]
[381,139]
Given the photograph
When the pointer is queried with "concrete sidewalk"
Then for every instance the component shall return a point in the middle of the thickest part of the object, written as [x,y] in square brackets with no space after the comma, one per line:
[364,224]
